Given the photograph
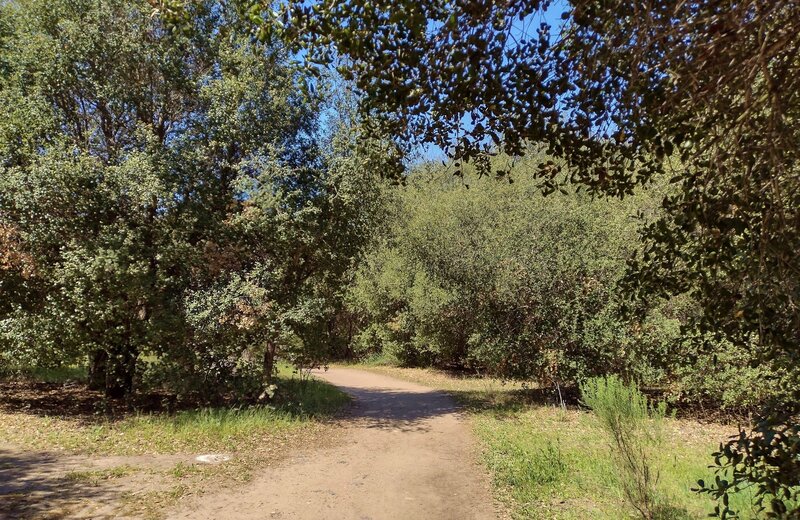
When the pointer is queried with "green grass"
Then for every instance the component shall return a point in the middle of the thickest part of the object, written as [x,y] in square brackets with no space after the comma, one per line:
[380,359]
[550,463]
[211,429]
[51,375]
[309,396]
[253,435]
[555,467]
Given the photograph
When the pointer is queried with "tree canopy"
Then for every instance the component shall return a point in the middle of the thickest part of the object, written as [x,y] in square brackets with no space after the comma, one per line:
[160,192]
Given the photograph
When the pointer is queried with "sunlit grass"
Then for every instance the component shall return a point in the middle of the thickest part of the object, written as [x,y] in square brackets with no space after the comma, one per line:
[489,387]
[552,464]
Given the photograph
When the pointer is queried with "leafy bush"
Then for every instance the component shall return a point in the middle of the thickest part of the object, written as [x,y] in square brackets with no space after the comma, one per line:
[499,278]
[729,377]
[634,427]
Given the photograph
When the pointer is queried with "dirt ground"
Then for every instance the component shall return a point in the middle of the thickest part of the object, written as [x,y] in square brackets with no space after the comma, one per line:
[402,451]
[41,485]
[407,454]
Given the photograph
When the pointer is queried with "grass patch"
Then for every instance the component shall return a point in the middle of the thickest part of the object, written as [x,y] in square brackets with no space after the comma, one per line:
[209,429]
[380,359]
[552,463]
[466,388]
[42,416]
[308,396]
[183,470]
[64,374]
[522,449]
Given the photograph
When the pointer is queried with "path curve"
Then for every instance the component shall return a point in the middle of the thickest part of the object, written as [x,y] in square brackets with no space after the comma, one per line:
[407,455]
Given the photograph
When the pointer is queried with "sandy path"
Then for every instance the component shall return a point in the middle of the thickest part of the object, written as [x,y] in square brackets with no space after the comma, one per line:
[407,455]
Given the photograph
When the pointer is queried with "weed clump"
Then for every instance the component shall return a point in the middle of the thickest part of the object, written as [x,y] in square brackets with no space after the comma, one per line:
[635,428]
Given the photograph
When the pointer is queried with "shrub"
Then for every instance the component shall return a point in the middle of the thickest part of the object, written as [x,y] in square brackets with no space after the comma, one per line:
[502,279]
[635,429]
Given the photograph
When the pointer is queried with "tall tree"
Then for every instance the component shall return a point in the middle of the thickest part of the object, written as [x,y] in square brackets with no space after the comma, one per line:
[120,142]
[283,260]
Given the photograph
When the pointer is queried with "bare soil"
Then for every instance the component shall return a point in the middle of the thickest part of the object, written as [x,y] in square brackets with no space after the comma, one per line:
[44,485]
[402,451]
[407,454]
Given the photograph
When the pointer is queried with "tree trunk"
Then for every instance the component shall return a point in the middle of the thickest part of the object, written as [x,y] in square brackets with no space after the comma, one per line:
[98,365]
[269,363]
[113,371]
[120,370]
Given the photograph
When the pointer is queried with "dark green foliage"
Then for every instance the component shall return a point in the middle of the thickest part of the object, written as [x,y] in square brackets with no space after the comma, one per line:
[767,457]
[498,279]
[279,265]
[166,196]
[719,373]
[94,113]
[122,140]
[620,91]
[501,279]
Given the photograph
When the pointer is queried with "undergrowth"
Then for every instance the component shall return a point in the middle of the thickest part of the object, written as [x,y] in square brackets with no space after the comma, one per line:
[298,404]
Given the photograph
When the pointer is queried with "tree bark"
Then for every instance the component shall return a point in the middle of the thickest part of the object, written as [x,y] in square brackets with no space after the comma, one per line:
[269,363]
[113,372]
[121,367]
[98,365]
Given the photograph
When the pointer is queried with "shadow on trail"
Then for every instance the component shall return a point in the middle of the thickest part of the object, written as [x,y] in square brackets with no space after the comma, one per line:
[40,485]
[392,409]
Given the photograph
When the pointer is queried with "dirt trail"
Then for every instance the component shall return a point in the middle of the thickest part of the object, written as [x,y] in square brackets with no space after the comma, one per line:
[407,455]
